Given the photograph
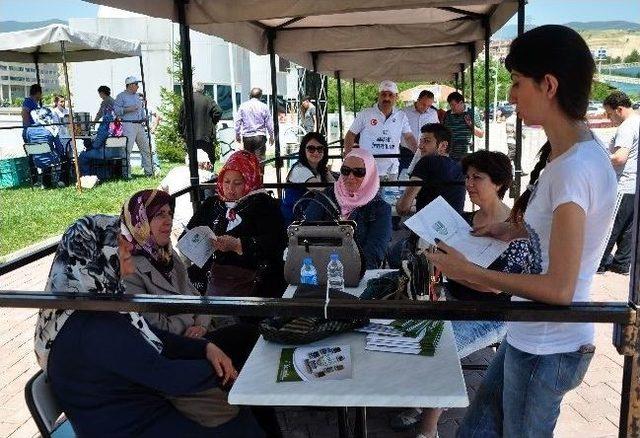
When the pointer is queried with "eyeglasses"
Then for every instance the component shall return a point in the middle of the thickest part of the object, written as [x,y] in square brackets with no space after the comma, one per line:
[313,149]
[358,172]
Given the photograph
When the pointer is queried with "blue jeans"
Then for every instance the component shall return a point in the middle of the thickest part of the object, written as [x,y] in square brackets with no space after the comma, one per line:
[521,393]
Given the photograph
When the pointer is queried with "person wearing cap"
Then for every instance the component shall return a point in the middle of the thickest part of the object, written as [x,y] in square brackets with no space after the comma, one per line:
[130,109]
[381,129]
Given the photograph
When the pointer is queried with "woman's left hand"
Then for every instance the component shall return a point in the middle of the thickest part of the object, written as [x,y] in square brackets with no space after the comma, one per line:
[195,331]
[221,364]
[451,262]
[228,243]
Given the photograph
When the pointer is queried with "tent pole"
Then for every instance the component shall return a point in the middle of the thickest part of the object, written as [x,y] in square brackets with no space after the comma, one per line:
[472,80]
[517,160]
[339,86]
[462,78]
[73,125]
[271,36]
[456,81]
[187,95]
[36,61]
[487,42]
[353,88]
[146,113]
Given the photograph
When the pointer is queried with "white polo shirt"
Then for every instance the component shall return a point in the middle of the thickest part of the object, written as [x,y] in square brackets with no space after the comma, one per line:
[381,135]
[417,120]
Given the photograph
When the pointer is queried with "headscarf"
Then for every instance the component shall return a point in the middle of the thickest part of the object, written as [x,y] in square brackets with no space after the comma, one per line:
[248,165]
[86,262]
[368,189]
[136,217]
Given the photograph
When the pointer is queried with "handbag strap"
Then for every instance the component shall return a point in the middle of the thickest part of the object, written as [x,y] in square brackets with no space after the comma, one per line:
[335,214]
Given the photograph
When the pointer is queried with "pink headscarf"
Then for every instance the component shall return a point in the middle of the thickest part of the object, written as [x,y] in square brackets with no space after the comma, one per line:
[368,189]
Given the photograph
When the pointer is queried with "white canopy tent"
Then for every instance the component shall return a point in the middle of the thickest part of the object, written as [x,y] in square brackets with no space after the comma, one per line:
[363,40]
[58,43]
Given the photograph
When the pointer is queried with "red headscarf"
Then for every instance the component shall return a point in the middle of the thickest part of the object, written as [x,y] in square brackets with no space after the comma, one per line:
[248,165]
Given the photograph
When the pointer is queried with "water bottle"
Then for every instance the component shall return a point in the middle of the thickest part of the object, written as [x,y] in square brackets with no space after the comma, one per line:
[308,272]
[335,274]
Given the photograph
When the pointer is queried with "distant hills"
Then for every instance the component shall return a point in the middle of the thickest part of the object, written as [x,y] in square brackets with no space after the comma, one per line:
[510,31]
[12,26]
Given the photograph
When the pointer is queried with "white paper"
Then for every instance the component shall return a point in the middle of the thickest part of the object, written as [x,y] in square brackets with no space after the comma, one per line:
[439,220]
[196,245]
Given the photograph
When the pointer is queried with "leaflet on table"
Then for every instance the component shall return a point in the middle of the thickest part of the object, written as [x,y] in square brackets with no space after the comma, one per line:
[438,220]
[196,245]
[404,336]
[308,364]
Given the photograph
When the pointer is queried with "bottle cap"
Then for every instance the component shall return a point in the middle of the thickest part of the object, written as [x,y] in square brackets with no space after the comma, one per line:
[308,260]
[335,256]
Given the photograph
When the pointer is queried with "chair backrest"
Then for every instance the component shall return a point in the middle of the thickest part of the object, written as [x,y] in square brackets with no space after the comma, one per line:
[37,148]
[116,142]
[42,403]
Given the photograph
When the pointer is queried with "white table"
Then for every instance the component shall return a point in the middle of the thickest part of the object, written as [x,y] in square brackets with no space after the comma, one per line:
[379,379]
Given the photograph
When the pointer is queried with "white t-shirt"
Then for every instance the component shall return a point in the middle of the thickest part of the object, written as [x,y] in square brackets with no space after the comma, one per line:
[582,175]
[418,120]
[61,116]
[381,135]
[627,137]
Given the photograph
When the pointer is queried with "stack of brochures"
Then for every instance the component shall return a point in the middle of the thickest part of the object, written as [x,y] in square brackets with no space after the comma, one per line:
[403,336]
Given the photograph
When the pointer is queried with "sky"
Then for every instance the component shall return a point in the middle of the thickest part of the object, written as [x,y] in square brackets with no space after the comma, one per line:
[537,11]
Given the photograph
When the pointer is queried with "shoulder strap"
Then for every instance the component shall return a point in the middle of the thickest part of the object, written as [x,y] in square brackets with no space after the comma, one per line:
[335,214]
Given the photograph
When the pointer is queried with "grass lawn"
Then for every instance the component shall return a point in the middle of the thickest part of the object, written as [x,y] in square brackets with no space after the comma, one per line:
[28,216]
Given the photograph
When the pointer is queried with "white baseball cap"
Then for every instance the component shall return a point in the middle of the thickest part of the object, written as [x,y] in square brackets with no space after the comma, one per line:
[131,80]
[388,86]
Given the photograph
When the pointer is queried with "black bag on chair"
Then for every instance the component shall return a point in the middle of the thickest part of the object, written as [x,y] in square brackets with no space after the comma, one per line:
[319,240]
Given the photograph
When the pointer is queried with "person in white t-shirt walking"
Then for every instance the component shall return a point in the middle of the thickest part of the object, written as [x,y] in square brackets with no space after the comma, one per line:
[624,157]
[381,128]
[565,213]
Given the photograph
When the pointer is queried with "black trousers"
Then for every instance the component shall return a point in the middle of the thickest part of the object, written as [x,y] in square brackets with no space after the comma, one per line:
[208,148]
[256,144]
[620,236]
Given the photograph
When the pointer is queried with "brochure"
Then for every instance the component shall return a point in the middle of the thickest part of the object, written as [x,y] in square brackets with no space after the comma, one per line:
[307,364]
[196,245]
[404,336]
[438,220]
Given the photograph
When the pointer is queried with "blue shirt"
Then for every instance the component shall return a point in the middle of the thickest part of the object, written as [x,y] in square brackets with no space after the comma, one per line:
[111,382]
[446,175]
[126,99]
[30,104]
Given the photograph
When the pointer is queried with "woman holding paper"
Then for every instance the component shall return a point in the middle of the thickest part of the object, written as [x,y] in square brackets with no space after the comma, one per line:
[250,234]
[564,212]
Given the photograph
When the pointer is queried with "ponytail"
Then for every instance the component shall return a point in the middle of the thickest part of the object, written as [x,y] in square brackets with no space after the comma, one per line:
[520,206]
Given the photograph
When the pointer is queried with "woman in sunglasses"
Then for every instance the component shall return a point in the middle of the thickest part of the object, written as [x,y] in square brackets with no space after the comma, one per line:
[355,197]
[311,166]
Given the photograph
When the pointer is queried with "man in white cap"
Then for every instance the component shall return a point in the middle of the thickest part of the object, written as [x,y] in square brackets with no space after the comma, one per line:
[129,107]
[381,129]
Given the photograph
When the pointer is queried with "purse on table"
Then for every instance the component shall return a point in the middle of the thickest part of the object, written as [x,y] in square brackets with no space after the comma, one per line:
[319,240]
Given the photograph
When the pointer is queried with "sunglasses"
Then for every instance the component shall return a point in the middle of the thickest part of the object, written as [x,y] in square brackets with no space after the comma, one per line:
[358,172]
[313,149]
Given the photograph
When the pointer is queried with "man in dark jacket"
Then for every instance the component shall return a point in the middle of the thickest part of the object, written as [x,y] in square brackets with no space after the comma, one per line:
[206,115]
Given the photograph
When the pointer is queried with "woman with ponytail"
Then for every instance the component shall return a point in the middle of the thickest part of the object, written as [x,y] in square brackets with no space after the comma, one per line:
[565,213]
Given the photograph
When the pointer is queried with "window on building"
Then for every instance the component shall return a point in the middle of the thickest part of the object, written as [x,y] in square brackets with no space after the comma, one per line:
[3,67]
[238,98]
[223,97]
[177,88]
[283,64]
[209,91]
[5,78]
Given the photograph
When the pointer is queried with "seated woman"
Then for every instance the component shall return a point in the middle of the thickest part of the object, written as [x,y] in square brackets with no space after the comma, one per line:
[310,167]
[95,148]
[250,234]
[488,177]
[355,197]
[112,374]
[42,131]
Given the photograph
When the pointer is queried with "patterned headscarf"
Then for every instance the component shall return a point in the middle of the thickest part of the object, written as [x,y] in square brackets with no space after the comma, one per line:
[44,116]
[135,218]
[86,262]
[248,165]
[368,189]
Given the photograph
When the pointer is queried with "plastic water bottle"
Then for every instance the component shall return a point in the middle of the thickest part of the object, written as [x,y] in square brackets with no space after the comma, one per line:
[335,274]
[308,272]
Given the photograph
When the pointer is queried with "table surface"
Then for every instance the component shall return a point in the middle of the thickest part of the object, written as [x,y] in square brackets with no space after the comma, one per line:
[378,379]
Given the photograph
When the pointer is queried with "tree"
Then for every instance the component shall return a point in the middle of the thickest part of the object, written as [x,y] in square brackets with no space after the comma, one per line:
[171,146]
[634,56]
[600,90]
[504,83]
